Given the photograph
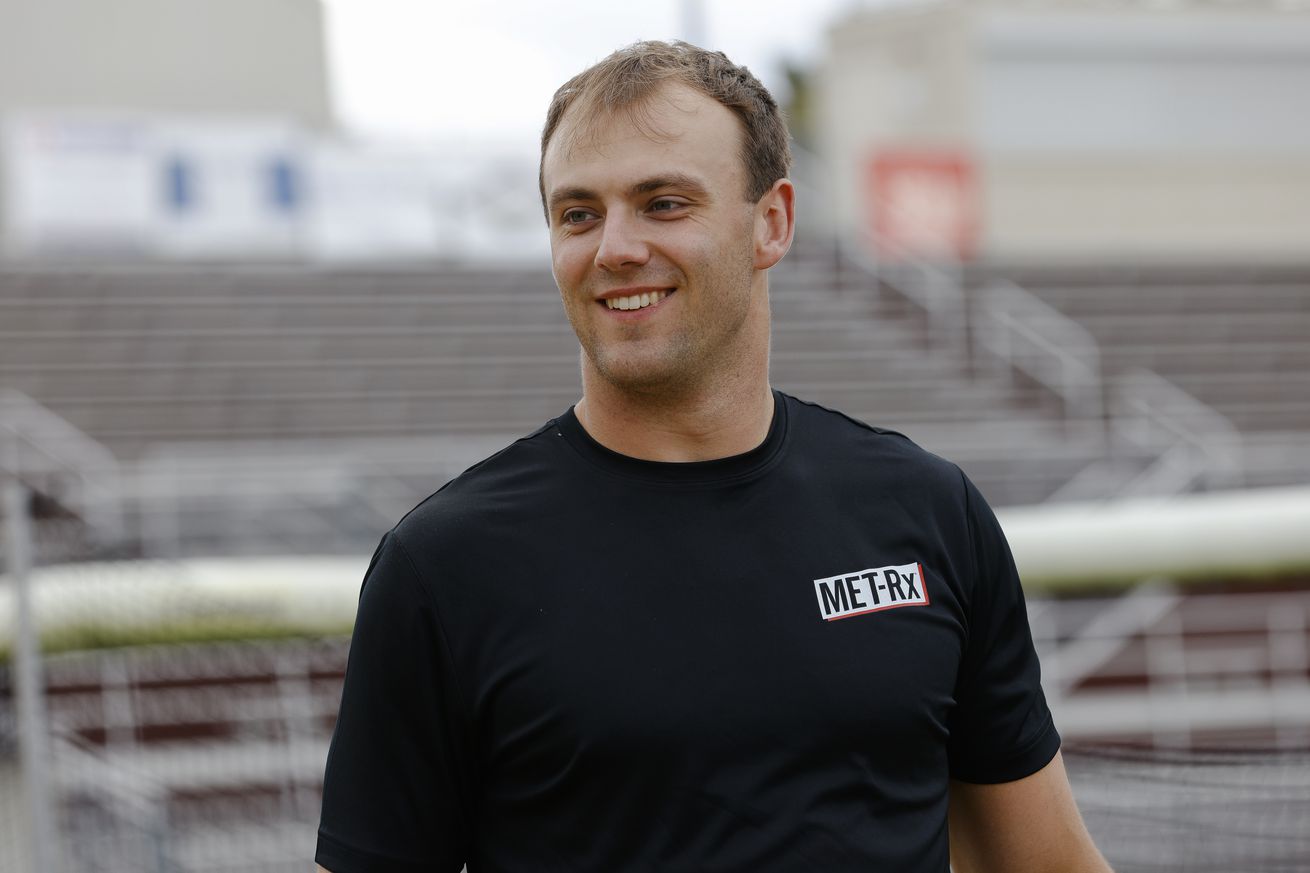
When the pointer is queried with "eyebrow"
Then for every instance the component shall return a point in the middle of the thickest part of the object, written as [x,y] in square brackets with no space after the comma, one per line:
[680,181]
[676,181]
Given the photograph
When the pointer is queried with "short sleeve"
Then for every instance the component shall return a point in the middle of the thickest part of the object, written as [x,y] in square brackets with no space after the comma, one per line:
[395,785]
[1001,728]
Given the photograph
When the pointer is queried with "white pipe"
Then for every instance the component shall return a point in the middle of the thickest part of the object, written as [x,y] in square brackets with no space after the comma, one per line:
[1231,533]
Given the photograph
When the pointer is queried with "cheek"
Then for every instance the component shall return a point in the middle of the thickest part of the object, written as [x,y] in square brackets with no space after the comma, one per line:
[569,263]
[722,258]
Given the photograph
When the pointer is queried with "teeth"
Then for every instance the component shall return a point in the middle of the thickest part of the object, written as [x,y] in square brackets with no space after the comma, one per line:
[636,301]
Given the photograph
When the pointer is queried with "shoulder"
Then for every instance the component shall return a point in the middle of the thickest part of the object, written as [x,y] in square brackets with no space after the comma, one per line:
[852,447]
[513,481]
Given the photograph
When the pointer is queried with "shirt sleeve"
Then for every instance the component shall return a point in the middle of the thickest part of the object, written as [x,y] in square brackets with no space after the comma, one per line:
[395,787]
[1001,728]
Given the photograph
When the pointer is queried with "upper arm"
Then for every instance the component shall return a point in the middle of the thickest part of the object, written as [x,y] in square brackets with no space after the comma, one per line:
[395,784]
[1025,826]
[1000,726]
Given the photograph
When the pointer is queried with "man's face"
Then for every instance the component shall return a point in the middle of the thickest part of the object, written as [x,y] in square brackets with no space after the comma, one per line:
[651,240]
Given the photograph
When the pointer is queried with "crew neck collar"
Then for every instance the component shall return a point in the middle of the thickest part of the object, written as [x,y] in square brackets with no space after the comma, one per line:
[731,468]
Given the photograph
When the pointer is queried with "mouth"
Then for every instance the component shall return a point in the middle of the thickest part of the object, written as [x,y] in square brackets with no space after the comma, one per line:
[643,300]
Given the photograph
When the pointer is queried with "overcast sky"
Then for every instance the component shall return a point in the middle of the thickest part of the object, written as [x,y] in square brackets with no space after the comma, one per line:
[421,69]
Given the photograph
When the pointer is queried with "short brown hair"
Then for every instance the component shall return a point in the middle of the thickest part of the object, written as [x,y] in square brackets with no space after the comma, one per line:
[629,76]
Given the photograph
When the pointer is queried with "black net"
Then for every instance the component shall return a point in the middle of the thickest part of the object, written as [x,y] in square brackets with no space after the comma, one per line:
[1235,810]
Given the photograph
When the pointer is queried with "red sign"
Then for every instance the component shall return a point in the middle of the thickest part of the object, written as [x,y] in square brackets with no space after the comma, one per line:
[923,203]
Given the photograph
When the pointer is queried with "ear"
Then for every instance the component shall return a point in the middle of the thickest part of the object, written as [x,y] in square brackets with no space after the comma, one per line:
[775,223]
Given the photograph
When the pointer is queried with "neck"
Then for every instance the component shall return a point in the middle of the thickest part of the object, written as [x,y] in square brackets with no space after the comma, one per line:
[701,428]
[725,413]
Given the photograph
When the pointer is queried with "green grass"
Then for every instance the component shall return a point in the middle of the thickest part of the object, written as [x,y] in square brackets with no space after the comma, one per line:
[1295,574]
[86,637]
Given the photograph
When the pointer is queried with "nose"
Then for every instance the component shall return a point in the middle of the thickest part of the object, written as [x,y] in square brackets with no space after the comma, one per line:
[622,245]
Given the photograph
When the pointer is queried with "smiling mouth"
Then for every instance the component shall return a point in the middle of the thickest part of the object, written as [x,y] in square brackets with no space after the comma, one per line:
[636,301]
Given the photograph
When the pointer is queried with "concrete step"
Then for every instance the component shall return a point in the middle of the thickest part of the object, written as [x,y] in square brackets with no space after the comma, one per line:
[1171,300]
[1133,329]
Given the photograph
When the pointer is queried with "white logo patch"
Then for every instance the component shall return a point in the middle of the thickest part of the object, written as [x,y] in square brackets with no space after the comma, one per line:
[873,590]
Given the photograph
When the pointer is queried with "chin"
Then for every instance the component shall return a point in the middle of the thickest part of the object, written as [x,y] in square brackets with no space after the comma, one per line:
[637,380]
[649,376]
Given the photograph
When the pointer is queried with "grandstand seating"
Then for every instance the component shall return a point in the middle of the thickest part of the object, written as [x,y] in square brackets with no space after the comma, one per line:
[1238,340]
[141,355]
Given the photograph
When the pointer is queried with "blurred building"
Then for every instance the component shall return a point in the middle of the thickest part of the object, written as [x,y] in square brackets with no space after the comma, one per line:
[155,126]
[1073,130]
[202,130]
[236,57]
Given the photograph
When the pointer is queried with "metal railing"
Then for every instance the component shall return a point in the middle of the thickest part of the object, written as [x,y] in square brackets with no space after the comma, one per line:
[1022,333]
[1013,331]
[935,287]
[1197,445]
[1169,663]
[35,443]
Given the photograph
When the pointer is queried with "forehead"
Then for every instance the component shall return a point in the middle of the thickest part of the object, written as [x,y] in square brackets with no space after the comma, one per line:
[676,129]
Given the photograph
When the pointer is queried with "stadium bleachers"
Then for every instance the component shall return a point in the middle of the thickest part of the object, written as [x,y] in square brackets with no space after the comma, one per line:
[148,356]
[142,355]
[1236,339]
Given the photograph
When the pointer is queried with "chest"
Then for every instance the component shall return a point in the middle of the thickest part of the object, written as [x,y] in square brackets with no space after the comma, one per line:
[714,635]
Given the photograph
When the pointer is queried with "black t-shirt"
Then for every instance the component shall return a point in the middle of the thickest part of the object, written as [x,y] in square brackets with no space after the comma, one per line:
[572,660]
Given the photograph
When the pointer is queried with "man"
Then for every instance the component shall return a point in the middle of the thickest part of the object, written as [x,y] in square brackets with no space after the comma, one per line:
[615,645]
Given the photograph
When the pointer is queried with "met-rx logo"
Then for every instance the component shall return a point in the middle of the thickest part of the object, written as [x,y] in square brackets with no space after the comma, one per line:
[873,590]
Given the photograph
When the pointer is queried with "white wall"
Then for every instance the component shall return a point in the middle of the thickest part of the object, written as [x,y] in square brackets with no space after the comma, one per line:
[1125,132]
[249,57]
[1154,208]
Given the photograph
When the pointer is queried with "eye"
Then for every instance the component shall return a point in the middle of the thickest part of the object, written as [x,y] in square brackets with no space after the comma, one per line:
[664,205]
[577,216]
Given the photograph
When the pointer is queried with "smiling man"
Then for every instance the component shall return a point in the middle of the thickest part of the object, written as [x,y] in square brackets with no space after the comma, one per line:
[693,623]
